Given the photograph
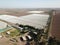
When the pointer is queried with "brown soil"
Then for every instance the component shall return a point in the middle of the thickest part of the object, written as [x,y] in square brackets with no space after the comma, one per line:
[56,25]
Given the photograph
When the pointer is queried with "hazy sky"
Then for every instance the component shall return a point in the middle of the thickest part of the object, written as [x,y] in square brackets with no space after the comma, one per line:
[29,3]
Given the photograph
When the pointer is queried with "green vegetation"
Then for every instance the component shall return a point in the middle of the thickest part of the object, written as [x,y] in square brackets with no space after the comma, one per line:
[36,38]
[15,33]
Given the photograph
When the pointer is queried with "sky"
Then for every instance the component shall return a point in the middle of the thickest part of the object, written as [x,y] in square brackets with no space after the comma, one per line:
[29,3]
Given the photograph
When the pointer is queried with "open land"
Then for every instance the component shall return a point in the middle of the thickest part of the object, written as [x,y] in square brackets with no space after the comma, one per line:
[22,12]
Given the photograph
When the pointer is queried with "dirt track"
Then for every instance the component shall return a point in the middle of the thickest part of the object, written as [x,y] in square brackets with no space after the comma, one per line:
[56,25]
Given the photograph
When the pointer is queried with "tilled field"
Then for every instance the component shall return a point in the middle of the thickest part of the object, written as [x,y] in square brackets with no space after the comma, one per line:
[56,25]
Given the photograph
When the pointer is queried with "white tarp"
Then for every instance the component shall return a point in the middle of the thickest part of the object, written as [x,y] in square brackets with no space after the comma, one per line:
[2,25]
[36,20]
[35,12]
[9,18]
